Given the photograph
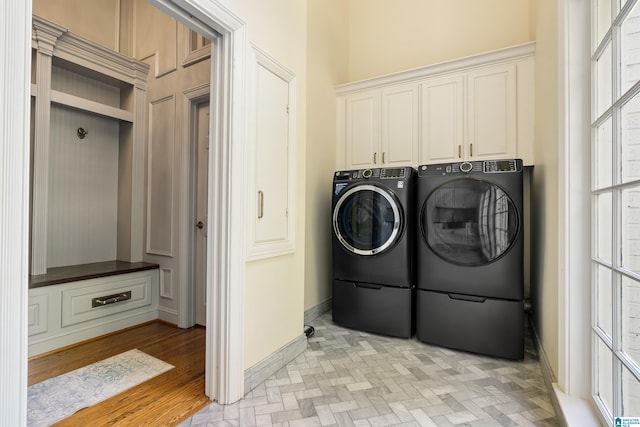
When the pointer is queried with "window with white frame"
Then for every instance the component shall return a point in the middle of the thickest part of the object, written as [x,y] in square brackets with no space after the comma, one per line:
[615,171]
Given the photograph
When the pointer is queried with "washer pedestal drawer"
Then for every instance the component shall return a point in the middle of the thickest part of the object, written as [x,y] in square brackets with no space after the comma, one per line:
[486,326]
[373,308]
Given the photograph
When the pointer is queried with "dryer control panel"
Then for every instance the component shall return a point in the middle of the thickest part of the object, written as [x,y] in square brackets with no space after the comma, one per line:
[501,166]
[477,167]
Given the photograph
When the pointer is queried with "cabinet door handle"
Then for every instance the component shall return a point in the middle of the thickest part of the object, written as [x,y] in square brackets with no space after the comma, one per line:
[470,150]
[375,158]
[383,153]
[459,151]
[260,204]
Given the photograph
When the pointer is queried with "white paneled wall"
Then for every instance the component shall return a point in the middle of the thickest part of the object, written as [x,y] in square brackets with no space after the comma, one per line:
[83,189]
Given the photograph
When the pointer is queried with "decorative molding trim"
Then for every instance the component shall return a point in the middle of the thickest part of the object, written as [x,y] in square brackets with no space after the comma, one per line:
[168,149]
[190,100]
[90,55]
[15,104]
[40,159]
[506,54]
[166,283]
[262,370]
[138,153]
[317,311]
[192,56]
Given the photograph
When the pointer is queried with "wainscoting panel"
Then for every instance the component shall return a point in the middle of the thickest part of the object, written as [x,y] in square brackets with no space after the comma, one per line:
[161,176]
[166,283]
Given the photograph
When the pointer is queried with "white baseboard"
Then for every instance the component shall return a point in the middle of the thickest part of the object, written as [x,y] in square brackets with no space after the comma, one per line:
[262,370]
[168,315]
[570,411]
[317,311]
[575,412]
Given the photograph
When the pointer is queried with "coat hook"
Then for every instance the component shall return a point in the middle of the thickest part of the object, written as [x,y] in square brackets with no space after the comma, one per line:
[82,133]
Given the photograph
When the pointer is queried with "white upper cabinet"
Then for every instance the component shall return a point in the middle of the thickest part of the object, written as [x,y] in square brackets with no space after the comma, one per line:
[382,127]
[473,108]
[400,125]
[442,119]
[491,109]
[470,116]
[363,129]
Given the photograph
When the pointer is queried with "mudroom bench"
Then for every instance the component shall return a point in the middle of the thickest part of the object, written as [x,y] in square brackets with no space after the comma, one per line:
[75,303]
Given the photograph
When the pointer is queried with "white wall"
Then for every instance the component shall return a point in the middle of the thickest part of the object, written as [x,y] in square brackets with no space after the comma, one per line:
[327,67]
[545,183]
[274,288]
[388,36]
[544,203]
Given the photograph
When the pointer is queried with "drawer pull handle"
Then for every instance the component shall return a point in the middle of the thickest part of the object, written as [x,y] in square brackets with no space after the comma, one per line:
[110,299]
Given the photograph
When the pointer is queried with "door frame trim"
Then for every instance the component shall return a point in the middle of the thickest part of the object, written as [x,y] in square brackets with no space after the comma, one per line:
[224,366]
[192,98]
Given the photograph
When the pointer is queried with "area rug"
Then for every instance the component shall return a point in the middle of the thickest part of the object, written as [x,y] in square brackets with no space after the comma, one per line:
[57,398]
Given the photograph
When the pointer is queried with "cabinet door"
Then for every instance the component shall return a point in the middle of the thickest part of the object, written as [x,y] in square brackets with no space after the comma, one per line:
[363,130]
[400,114]
[272,155]
[272,162]
[492,112]
[442,119]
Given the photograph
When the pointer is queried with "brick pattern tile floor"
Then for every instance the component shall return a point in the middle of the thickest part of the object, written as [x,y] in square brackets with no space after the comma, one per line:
[352,378]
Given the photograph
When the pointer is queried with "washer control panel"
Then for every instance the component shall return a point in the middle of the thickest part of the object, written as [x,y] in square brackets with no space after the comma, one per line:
[379,173]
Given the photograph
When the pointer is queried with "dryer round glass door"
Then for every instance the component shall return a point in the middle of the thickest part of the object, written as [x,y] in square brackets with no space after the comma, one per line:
[469,222]
[367,219]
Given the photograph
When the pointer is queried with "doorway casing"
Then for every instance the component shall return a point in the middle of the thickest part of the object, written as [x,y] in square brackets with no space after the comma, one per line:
[224,371]
[224,344]
[192,100]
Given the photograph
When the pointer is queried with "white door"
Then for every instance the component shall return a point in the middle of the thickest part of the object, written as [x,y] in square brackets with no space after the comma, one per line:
[200,240]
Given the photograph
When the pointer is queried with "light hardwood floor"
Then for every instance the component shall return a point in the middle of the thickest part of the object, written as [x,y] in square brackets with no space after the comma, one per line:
[165,400]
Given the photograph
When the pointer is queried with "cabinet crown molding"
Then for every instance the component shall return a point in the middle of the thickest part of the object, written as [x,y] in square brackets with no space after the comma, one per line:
[460,64]
[75,49]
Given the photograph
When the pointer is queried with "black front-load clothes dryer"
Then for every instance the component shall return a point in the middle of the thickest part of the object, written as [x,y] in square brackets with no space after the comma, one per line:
[470,256]
[372,249]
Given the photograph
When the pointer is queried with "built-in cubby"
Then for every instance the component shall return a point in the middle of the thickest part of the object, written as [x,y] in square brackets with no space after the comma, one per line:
[87,189]
[87,277]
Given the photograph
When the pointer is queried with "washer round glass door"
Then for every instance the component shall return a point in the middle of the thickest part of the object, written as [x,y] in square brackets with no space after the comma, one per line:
[367,219]
[469,222]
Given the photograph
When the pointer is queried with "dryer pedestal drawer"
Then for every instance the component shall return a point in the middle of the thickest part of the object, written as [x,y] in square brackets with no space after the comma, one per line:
[373,308]
[479,325]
